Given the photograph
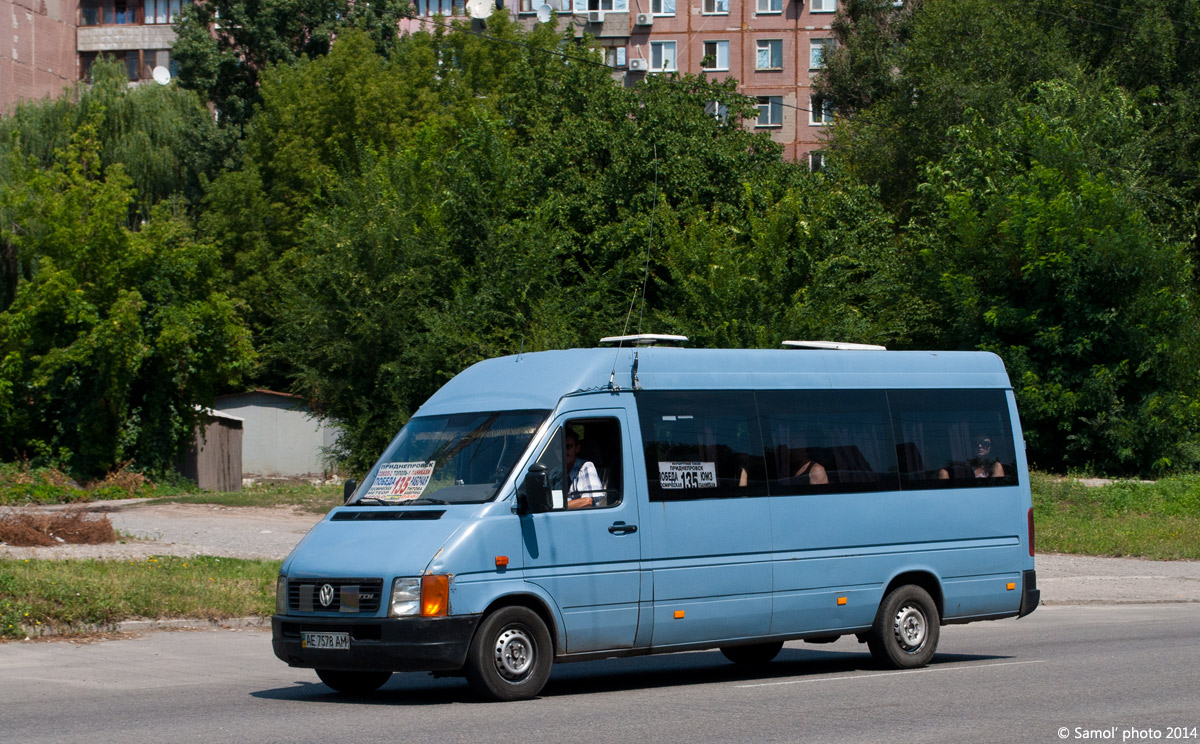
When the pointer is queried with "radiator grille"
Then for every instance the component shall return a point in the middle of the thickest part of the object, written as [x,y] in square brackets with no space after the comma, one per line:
[344,595]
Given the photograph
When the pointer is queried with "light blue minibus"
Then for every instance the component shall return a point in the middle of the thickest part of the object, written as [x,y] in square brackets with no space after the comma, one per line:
[591,503]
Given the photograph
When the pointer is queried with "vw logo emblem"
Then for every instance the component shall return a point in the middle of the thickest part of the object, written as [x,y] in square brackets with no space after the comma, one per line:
[326,595]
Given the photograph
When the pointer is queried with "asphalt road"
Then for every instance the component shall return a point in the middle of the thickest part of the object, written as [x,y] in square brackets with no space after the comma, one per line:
[1094,672]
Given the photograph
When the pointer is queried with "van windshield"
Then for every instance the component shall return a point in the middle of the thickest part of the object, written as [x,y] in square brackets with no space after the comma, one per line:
[461,458]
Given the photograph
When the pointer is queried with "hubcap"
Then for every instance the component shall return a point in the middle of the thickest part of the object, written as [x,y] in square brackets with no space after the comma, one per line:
[910,628]
[514,653]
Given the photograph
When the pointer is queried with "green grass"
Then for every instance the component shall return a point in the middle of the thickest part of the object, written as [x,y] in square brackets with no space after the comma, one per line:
[315,499]
[21,485]
[66,597]
[1159,520]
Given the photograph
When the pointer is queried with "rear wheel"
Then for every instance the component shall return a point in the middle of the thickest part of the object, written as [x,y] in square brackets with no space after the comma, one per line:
[511,654]
[906,629]
[354,683]
[758,653]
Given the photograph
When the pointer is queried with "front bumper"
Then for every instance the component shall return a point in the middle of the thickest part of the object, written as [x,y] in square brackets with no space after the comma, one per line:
[407,644]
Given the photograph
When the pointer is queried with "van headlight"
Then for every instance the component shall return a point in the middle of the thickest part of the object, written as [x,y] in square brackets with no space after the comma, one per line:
[406,597]
[281,595]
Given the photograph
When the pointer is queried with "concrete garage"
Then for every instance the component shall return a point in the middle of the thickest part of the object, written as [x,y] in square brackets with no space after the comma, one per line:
[281,437]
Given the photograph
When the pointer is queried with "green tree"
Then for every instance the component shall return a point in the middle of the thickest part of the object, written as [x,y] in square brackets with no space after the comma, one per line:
[1034,252]
[113,337]
[223,46]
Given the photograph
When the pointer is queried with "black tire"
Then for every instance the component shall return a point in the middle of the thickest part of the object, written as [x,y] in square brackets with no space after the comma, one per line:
[753,655]
[353,683]
[906,630]
[510,656]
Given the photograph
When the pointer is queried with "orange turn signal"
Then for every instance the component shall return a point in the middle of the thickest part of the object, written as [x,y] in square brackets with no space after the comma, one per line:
[1011,586]
[841,601]
[678,614]
[501,561]
[435,596]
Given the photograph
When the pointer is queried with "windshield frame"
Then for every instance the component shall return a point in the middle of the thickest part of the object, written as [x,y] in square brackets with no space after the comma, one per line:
[460,442]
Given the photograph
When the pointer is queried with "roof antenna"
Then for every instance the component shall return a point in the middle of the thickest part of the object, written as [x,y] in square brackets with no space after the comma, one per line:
[612,377]
[637,385]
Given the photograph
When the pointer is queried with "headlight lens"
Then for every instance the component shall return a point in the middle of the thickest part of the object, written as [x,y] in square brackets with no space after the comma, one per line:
[281,595]
[406,597]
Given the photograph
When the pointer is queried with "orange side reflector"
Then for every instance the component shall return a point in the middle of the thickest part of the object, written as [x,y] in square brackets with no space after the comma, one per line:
[678,614]
[501,561]
[1011,586]
[435,596]
[841,601]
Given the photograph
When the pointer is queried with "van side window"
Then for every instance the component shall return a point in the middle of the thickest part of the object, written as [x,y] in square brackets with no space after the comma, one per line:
[701,445]
[953,438]
[827,441]
[583,463]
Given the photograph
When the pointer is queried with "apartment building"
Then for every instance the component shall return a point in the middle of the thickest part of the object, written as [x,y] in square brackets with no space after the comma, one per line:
[53,43]
[773,47]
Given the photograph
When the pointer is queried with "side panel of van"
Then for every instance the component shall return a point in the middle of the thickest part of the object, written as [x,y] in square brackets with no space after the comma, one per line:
[710,552]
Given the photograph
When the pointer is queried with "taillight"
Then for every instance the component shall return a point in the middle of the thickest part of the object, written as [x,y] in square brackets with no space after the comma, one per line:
[1031,532]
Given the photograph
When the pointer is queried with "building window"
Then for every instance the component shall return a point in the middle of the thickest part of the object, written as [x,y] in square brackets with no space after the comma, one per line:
[823,6]
[770,54]
[616,6]
[717,110]
[820,111]
[614,56]
[139,63]
[662,7]
[816,161]
[770,111]
[440,7]
[161,11]
[716,56]
[716,7]
[817,49]
[770,6]
[662,56]
[129,12]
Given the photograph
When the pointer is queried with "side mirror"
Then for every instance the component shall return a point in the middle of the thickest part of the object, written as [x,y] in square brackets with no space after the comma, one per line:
[534,495]
[348,490]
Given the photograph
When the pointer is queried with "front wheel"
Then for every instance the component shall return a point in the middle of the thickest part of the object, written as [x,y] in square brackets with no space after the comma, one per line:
[906,629]
[510,656]
[353,683]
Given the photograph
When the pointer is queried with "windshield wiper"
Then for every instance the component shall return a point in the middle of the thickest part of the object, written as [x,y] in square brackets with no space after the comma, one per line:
[437,502]
[364,500]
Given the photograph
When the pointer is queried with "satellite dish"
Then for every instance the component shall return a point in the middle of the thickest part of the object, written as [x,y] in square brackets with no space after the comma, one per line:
[543,13]
[480,9]
[162,75]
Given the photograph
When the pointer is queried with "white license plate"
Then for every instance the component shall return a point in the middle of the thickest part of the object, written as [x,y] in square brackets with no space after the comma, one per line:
[332,641]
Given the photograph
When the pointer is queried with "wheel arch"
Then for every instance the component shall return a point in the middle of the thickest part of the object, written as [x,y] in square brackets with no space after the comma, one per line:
[925,579]
[530,602]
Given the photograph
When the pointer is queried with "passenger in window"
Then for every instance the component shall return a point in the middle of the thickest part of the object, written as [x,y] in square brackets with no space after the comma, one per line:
[808,468]
[982,465]
[585,488]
